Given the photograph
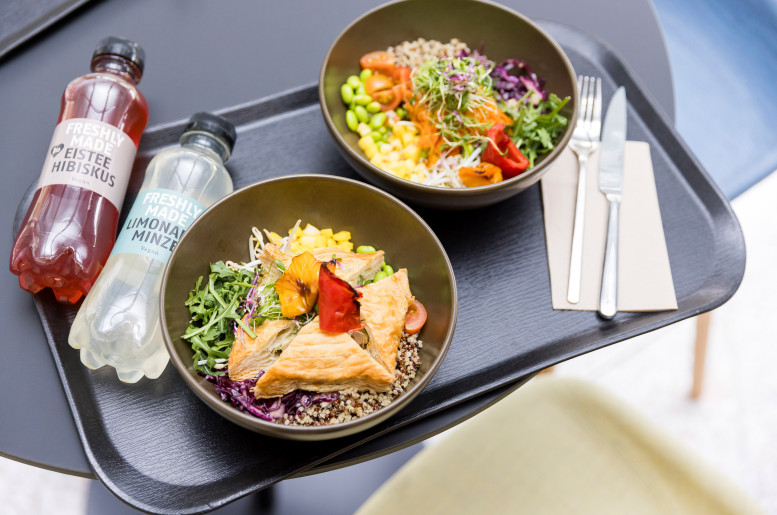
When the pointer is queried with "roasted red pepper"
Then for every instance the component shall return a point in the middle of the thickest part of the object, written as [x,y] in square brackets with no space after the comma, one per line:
[338,307]
[502,152]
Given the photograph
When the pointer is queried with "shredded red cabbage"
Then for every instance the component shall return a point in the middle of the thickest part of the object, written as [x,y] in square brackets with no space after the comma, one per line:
[240,395]
[513,78]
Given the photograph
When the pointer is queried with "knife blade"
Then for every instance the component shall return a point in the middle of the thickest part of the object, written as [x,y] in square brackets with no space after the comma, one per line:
[611,185]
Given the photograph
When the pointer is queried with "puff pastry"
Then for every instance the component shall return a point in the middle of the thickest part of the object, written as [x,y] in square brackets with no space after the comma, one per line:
[384,305]
[351,267]
[322,362]
[250,355]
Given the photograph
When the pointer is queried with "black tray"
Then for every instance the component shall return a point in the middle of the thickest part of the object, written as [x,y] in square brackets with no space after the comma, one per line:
[157,447]
[22,19]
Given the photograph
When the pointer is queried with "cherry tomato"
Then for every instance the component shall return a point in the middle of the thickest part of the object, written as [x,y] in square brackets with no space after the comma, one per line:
[415,318]
[402,76]
[377,82]
[388,98]
[379,61]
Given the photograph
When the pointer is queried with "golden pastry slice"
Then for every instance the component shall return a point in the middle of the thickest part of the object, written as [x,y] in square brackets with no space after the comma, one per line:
[351,265]
[250,355]
[384,305]
[322,362]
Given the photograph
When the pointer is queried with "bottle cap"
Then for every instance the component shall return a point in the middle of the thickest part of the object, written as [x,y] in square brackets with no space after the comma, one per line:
[214,124]
[123,47]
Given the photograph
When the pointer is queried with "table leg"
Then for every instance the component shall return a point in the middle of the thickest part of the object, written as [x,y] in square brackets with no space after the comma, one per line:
[700,353]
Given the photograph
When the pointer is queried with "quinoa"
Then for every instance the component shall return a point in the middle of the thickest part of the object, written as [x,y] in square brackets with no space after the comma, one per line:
[352,403]
[415,53]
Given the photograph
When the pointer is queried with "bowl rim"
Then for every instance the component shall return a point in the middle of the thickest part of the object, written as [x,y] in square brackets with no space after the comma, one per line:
[454,192]
[274,429]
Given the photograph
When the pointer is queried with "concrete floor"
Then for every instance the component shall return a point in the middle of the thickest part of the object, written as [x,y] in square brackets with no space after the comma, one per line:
[733,426]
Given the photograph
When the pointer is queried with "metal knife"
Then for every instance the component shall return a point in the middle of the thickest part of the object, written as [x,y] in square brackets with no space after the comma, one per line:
[611,184]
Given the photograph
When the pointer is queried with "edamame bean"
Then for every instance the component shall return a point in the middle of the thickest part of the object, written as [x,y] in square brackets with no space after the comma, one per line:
[362,99]
[360,90]
[365,74]
[380,275]
[383,130]
[400,112]
[346,92]
[376,136]
[354,81]
[388,269]
[351,120]
[373,107]
[365,249]
[362,114]
[377,120]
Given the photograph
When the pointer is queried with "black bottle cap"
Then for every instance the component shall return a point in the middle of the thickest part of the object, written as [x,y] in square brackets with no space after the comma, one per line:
[123,47]
[214,124]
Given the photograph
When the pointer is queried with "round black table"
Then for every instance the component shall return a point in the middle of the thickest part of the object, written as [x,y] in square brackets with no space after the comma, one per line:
[206,56]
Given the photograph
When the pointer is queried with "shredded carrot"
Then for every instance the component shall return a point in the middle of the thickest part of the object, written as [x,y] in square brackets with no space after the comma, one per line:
[429,135]
[490,114]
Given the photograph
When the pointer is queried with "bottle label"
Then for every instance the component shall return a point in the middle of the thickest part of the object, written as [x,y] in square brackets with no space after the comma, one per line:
[155,224]
[90,154]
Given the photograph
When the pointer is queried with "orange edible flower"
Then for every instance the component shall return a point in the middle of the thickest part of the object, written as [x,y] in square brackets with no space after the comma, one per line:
[480,175]
[298,286]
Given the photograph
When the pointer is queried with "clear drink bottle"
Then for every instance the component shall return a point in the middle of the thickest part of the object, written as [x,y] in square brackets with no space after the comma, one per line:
[70,226]
[118,323]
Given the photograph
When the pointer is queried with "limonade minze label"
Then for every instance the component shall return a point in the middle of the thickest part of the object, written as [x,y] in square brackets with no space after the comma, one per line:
[156,223]
[90,154]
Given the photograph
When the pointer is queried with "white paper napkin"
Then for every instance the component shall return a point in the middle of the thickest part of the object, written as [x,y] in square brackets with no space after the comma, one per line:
[644,276]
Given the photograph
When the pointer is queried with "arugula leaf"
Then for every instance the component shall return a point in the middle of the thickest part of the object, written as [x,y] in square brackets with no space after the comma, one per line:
[536,127]
[214,309]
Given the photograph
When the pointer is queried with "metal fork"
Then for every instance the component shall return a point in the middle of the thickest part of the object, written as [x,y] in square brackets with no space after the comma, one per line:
[585,139]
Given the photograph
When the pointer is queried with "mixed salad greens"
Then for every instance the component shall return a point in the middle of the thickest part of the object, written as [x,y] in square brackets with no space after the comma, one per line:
[236,299]
[454,121]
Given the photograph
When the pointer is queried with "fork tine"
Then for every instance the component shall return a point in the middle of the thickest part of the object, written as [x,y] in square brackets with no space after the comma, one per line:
[589,102]
[596,125]
[582,86]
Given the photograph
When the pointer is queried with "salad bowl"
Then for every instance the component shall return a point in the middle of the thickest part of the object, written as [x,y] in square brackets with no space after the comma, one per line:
[372,216]
[496,31]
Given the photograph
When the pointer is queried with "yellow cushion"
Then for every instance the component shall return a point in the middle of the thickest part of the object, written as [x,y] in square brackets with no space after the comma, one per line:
[557,446]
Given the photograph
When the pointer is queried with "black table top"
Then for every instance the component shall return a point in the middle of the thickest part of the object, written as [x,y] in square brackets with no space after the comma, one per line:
[201,56]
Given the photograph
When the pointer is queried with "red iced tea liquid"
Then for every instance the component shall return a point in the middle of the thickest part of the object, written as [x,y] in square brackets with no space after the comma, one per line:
[69,231]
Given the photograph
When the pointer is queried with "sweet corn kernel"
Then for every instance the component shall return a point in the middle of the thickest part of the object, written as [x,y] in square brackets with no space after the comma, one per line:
[368,146]
[411,152]
[307,240]
[341,236]
[363,129]
[276,238]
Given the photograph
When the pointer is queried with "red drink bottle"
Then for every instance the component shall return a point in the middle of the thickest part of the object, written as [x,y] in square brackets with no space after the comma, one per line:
[70,227]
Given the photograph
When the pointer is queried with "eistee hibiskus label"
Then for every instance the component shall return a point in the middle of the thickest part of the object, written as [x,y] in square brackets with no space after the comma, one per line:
[90,154]
[156,223]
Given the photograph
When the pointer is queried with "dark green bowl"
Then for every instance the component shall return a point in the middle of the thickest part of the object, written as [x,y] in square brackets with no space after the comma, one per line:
[504,34]
[372,216]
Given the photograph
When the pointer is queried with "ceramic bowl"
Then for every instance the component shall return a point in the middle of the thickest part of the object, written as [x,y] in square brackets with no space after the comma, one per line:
[372,216]
[502,32]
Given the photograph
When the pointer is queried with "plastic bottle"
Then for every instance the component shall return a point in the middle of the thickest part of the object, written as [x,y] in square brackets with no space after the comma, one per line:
[70,226]
[118,323]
